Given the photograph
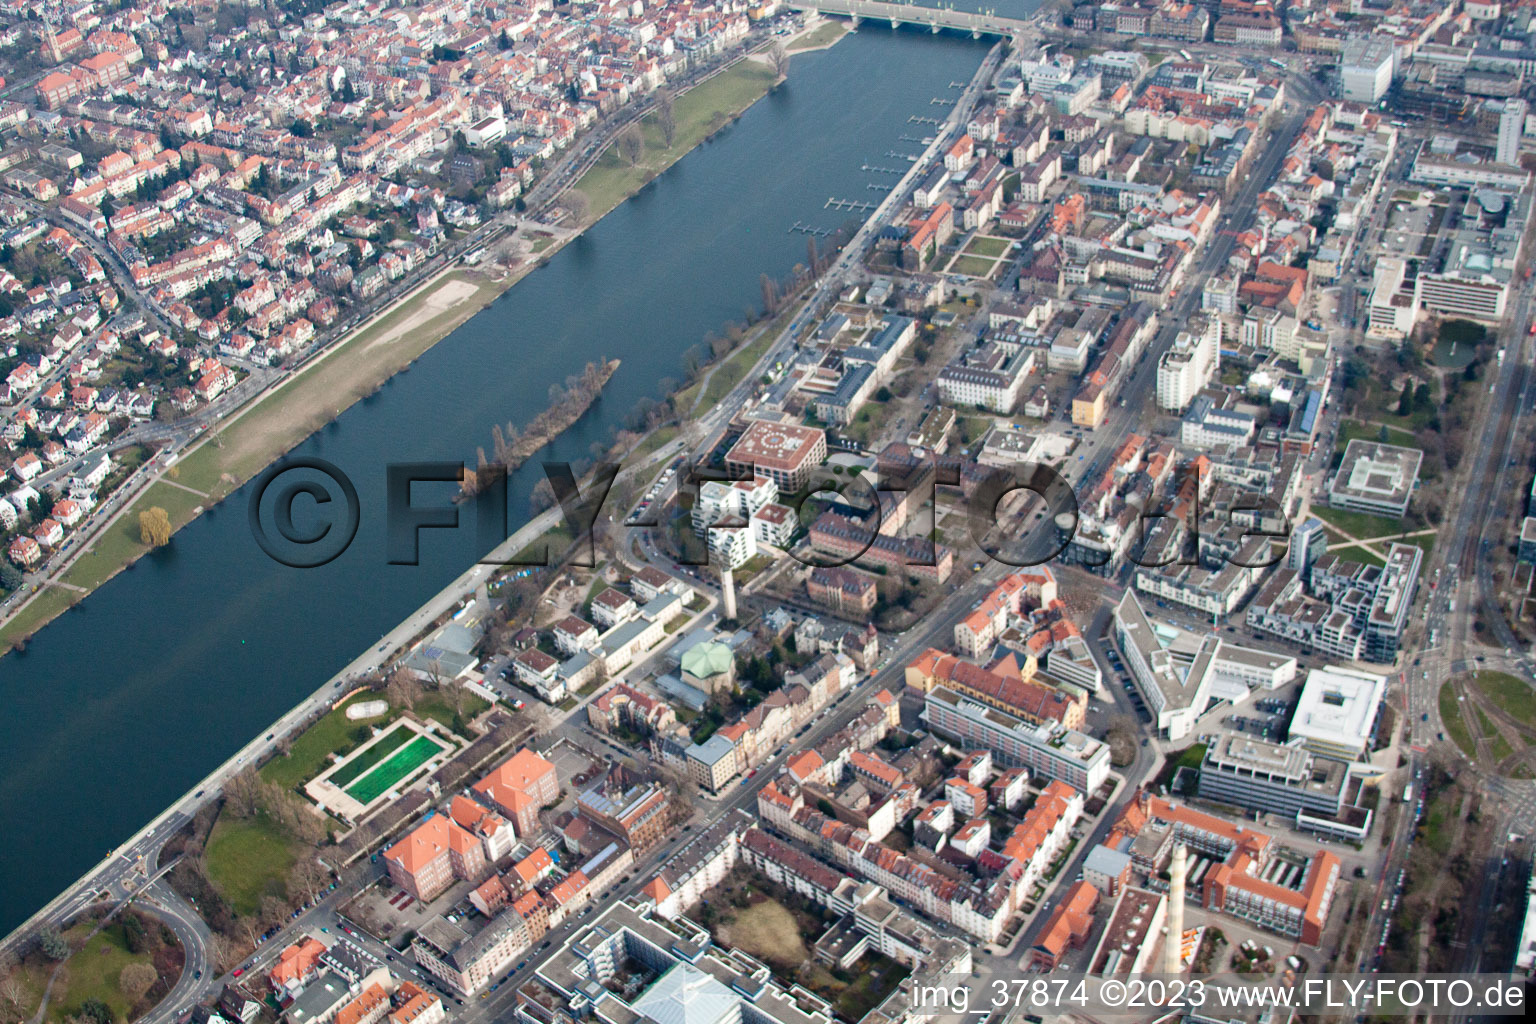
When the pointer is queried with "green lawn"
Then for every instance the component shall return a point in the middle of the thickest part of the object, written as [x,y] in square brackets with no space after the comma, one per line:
[435,706]
[119,544]
[309,752]
[1363,555]
[975,266]
[387,744]
[281,420]
[93,971]
[550,545]
[404,761]
[655,440]
[34,615]
[868,422]
[982,245]
[1512,694]
[1498,746]
[735,368]
[248,860]
[697,113]
[822,35]
[1455,725]
[1354,430]
[1360,525]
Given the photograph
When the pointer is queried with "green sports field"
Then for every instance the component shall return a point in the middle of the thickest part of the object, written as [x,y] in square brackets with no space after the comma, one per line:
[386,745]
[386,775]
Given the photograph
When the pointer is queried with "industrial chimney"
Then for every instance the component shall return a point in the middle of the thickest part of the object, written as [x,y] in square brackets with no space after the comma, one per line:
[728,593]
[1177,867]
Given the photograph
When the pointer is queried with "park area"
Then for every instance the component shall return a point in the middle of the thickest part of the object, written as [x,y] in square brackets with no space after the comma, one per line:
[249,859]
[750,913]
[113,975]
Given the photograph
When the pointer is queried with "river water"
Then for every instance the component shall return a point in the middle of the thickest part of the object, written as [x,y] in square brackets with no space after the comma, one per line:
[124,703]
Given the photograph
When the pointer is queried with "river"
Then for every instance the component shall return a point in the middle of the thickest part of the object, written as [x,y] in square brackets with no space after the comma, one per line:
[122,704]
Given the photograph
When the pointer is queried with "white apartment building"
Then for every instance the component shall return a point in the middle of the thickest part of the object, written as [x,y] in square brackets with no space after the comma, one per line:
[1366,68]
[1393,309]
[720,498]
[731,542]
[1511,128]
[1188,366]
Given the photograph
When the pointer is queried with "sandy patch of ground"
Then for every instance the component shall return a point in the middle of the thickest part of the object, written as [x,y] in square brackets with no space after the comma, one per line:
[443,298]
[769,931]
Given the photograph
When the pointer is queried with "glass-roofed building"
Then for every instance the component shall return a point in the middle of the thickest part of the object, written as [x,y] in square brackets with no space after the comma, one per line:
[631,966]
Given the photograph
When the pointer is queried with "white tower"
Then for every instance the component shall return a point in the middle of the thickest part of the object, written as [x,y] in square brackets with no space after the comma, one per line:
[728,593]
[1511,127]
[1178,865]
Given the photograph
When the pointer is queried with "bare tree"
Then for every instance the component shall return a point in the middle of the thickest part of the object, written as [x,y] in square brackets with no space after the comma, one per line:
[770,294]
[251,928]
[631,145]
[308,878]
[222,953]
[402,689]
[12,992]
[453,690]
[779,55]
[242,793]
[136,979]
[536,718]
[666,117]
[274,911]
[543,496]
[576,204]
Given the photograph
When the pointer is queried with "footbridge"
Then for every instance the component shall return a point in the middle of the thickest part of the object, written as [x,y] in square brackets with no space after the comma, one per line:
[977,23]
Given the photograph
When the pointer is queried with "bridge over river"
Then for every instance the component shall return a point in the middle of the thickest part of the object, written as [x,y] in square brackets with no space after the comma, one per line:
[976,23]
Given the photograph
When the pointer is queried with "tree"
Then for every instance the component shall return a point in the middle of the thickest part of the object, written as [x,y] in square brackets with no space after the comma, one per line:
[221,953]
[10,576]
[770,294]
[631,145]
[97,1012]
[274,911]
[242,793]
[12,992]
[778,54]
[308,878]
[403,689]
[453,690]
[135,935]
[53,945]
[155,527]
[136,979]
[666,117]
[576,204]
